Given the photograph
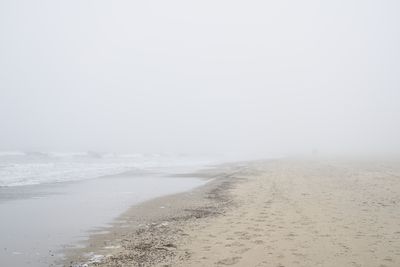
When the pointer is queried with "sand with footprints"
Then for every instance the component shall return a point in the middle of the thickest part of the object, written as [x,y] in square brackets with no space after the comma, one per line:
[272,213]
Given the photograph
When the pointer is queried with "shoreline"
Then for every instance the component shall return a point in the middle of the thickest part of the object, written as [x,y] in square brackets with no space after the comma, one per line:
[149,229]
[283,212]
[40,221]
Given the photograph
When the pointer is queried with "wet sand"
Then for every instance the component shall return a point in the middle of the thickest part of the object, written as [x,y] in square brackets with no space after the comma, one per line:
[287,212]
[39,221]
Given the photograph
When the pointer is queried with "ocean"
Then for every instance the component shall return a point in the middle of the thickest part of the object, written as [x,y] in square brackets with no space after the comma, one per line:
[50,201]
[30,168]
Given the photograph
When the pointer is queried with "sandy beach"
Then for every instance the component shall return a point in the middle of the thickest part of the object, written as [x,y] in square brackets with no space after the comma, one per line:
[199,133]
[39,221]
[287,212]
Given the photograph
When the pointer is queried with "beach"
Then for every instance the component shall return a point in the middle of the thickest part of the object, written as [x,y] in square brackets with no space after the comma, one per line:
[285,212]
[38,222]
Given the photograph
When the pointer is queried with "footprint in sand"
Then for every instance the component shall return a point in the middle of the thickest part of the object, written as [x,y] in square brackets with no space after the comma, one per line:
[229,261]
[241,251]
[234,244]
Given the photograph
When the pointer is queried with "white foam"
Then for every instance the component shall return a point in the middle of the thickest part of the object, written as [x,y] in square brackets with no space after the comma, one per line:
[17,168]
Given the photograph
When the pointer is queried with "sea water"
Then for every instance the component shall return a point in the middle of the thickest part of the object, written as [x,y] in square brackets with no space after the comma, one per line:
[29,168]
[49,201]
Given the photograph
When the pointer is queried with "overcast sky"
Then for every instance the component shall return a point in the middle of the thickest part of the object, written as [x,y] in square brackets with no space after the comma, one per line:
[234,77]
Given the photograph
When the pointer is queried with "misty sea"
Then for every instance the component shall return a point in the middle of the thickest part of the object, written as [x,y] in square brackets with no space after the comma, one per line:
[50,201]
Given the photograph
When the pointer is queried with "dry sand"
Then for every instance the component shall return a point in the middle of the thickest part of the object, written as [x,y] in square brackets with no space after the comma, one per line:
[273,213]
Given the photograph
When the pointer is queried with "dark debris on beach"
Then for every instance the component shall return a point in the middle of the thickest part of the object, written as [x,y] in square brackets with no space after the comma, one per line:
[157,242]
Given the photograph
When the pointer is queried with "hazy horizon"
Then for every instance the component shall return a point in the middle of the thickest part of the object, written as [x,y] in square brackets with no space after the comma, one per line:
[227,77]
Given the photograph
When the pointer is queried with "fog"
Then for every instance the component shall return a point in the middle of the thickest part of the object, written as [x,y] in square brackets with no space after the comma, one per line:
[254,78]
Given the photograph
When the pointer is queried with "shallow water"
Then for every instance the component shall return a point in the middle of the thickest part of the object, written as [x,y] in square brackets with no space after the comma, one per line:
[37,221]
